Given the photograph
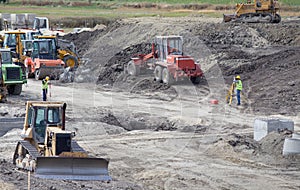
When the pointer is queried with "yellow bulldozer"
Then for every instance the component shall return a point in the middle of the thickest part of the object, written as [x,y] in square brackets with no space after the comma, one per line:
[255,11]
[49,150]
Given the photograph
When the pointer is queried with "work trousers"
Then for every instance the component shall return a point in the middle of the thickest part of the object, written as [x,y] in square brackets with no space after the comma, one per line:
[238,96]
[45,94]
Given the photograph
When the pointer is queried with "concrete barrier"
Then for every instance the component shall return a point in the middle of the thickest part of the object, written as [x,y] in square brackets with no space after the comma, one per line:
[296,136]
[262,127]
[291,146]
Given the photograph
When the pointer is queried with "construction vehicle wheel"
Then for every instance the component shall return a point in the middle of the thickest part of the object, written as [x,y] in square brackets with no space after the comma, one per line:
[158,73]
[71,61]
[133,69]
[195,80]
[14,89]
[277,18]
[17,89]
[37,74]
[167,77]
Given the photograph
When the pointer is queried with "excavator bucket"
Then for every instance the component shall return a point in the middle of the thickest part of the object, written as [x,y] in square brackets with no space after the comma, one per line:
[70,168]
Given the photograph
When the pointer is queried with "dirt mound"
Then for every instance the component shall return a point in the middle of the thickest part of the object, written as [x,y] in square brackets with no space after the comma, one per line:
[84,40]
[115,66]
[271,81]
[268,150]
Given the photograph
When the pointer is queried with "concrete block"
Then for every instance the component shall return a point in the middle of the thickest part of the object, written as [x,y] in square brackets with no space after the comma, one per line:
[262,126]
[296,136]
[291,146]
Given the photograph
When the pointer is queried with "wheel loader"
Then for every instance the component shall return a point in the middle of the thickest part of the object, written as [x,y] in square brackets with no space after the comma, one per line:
[43,60]
[50,151]
[256,11]
[67,53]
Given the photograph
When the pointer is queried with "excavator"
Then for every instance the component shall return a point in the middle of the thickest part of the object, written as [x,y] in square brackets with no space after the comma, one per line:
[256,11]
[48,150]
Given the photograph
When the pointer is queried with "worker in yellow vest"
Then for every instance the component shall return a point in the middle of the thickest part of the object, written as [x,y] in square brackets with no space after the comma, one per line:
[45,83]
[239,88]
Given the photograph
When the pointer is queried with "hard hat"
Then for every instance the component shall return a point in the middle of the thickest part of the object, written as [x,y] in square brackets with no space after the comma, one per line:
[47,78]
[238,77]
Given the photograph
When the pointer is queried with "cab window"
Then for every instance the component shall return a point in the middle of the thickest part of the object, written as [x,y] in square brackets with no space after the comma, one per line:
[54,115]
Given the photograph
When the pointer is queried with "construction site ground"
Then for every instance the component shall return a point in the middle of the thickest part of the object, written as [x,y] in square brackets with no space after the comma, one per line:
[174,137]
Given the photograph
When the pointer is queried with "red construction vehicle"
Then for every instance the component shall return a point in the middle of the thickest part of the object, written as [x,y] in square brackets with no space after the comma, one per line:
[43,61]
[167,60]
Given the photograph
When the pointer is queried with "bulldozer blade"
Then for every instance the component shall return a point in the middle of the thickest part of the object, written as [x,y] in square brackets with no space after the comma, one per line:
[228,18]
[70,168]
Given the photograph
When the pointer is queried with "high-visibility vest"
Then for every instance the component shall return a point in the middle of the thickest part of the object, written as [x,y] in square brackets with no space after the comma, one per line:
[44,84]
[239,85]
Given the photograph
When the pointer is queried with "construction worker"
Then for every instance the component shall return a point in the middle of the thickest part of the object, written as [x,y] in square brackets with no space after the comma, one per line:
[239,88]
[45,83]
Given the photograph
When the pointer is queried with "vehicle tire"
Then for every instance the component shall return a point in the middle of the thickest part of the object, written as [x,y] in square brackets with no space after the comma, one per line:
[15,89]
[37,74]
[167,77]
[158,73]
[133,69]
[277,18]
[195,80]
[10,89]
[71,61]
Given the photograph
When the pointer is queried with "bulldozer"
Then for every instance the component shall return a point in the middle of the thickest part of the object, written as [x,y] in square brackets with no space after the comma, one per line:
[48,150]
[255,11]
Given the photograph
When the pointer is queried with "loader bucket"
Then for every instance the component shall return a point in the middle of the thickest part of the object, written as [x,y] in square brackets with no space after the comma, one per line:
[70,168]
[50,71]
[228,18]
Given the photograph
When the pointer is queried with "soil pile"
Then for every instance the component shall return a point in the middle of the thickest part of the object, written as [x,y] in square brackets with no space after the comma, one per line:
[110,72]
[272,81]
[268,150]
[262,55]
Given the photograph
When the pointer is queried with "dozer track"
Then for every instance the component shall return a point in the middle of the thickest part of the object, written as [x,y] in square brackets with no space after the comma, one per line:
[66,168]
[253,18]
